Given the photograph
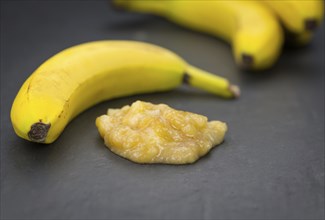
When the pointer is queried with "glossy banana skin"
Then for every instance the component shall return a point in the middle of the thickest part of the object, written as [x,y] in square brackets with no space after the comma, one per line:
[81,76]
[252,30]
[299,17]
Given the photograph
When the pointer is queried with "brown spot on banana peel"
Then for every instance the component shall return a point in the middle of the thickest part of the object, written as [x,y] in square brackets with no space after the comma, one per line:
[233,89]
[63,111]
[59,116]
[28,88]
[38,132]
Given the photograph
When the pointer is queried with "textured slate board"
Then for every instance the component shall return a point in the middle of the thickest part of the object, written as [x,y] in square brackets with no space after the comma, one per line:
[271,165]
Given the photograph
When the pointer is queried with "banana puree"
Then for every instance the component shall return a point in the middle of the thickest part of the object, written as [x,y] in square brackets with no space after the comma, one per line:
[148,133]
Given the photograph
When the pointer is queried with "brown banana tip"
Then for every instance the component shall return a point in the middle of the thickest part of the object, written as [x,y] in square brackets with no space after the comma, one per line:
[113,4]
[38,132]
[235,90]
[186,78]
[310,24]
[247,60]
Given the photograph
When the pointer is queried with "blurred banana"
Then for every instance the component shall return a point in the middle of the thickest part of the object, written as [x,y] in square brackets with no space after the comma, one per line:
[84,75]
[299,17]
[251,28]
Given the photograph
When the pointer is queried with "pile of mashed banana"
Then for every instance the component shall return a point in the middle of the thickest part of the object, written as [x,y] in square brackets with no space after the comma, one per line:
[149,133]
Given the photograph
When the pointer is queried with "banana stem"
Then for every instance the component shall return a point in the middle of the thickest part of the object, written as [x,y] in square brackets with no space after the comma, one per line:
[211,83]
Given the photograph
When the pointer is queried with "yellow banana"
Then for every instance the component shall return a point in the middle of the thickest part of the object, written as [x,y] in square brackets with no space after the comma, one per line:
[299,17]
[81,76]
[252,29]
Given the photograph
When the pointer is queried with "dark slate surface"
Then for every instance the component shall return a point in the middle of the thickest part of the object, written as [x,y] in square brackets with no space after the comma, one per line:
[271,165]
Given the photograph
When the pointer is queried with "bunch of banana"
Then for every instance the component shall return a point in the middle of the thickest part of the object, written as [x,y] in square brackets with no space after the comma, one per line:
[81,76]
[251,27]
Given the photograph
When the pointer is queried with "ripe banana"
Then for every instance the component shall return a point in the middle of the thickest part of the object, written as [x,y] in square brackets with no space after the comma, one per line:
[300,17]
[81,76]
[252,29]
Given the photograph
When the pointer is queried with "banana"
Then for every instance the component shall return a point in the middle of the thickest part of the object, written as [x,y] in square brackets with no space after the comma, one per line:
[84,75]
[300,18]
[252,30]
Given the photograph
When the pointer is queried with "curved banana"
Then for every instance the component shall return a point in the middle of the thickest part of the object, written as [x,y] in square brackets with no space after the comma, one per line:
[253,30]
[81,76]
[300,18]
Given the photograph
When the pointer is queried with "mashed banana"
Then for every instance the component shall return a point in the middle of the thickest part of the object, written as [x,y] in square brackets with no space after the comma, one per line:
[148,133]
